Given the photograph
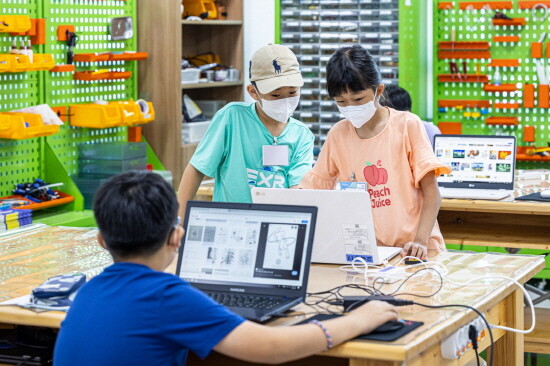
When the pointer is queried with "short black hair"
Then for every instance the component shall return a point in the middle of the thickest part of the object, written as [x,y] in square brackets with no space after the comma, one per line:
[397,98]
[352,69]
[135,213]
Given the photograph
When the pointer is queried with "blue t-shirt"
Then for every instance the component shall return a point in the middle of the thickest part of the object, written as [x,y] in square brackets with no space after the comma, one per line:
[231,152]
[133,315]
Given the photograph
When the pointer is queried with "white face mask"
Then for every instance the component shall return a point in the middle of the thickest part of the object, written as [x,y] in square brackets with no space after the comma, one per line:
[358,115]
[281,109]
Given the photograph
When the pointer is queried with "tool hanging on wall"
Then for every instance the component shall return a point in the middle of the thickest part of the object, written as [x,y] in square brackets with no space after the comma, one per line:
[72,40]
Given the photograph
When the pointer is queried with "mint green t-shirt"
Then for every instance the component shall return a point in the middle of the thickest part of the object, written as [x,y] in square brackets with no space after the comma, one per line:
[231,152]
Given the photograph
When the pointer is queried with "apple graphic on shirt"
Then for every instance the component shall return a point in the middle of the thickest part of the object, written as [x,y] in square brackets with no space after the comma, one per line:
[375,174]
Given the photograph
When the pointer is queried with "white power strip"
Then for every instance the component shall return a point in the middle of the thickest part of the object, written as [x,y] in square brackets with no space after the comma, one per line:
[459,342]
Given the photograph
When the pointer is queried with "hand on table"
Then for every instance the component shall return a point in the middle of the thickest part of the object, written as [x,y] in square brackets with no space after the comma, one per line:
[415,249]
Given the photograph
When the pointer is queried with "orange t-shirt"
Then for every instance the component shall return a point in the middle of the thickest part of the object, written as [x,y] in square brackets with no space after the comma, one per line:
[400,156]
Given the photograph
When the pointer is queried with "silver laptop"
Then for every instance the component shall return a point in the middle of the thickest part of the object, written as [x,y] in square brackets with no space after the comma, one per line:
[254,259]
[344,217]
[483,167]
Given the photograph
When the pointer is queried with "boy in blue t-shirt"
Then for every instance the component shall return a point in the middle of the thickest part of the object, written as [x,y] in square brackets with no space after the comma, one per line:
[258,144]
[135,314]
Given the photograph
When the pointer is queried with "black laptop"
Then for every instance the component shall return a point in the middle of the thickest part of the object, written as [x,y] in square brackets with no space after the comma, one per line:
[252,258]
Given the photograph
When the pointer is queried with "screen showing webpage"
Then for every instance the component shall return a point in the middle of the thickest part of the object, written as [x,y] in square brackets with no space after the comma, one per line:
[247,247]
[476,159]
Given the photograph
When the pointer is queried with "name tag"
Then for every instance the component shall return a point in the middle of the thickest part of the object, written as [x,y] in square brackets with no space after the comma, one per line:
[351,186]
[275,155]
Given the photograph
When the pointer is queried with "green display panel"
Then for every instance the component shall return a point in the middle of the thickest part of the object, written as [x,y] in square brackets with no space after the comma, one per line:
[18,159]
[91,20]
[477,63]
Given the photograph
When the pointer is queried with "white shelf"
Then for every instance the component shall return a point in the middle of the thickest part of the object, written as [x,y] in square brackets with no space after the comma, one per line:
[212,22]
[215,84]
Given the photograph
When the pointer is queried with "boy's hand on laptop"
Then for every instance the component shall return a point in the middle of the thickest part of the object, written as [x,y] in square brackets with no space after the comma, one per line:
[415,249]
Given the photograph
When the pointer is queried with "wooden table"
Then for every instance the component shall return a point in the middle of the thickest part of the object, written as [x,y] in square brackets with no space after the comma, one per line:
[505,223]
[28,258]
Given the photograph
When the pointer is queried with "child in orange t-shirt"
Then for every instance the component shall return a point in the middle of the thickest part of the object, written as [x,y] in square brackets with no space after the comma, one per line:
[388,149]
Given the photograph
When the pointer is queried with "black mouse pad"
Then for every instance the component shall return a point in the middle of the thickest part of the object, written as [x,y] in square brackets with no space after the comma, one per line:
[533,197]
[408,326]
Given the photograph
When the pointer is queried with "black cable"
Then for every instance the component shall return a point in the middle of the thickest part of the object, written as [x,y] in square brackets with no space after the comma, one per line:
[414,274]
[472,334]
[491,356]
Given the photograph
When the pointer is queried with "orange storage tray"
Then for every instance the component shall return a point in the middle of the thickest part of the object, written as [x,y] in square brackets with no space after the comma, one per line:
[504,63]
[506,39]
[478,5]
[93,76]
[530,4]
[509,121]
[463,54]
[456,78]
[129,56]
[525,157]
[463,45]
[464,103]
[64,198]
[506,105]
[513,21]
[445,5]
[500,88]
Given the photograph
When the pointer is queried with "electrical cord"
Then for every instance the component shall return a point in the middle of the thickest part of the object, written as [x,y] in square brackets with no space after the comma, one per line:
[491,356]
[472,334]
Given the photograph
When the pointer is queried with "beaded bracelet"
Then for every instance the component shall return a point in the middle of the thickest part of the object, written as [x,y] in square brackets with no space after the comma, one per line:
[330,344]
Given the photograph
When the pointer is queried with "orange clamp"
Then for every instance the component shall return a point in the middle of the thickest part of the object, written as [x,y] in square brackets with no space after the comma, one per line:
[529,96]
[544,96]
[530,4]
[506,105]
[478,5]
[536,50]
[491,88]
[513,21]
[450,128]
[62,32]
[464,103]
[529,133]
[509,121]
[504,63]
[461,78]
[506,38]
[463,45]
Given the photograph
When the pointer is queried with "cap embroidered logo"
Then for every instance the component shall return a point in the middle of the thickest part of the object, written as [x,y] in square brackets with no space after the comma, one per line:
[276,66]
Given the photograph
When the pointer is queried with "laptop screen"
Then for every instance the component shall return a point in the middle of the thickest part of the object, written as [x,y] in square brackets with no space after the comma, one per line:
[247,245]
[485,162]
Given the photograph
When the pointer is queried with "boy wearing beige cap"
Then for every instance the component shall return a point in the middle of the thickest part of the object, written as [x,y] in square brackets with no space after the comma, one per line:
[258,144]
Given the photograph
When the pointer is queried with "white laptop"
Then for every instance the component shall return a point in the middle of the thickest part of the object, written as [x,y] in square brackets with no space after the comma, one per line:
[343,217]
[482,166]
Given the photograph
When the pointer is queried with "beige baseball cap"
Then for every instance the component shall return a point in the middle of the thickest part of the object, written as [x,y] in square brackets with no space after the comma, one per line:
[273,67]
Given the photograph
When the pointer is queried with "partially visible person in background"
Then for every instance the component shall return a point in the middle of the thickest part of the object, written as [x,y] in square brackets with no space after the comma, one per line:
[399,99]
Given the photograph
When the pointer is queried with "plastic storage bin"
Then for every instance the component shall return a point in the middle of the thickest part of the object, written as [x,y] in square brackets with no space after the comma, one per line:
[190,76]
[95,115]
[106,167]
[210,107]
[113,151]
[19,126]
[88,187]
[193,132]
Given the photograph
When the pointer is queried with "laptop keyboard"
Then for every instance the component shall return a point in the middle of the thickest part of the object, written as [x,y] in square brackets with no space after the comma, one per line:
[247,301]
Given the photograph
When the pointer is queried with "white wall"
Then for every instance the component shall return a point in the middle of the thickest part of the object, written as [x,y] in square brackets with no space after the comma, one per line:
[259,30]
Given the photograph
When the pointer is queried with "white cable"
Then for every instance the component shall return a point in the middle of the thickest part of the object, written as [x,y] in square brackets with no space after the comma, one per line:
[535,8]
[525,293]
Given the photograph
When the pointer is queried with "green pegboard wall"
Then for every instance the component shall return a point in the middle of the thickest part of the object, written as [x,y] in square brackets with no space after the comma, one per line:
[91,20]
[19,160]
[476,25]
[23,160]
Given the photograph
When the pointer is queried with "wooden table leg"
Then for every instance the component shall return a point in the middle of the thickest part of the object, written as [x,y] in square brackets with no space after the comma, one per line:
[509,348]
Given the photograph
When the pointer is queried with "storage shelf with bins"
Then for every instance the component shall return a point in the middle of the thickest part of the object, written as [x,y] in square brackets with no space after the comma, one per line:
[315,29]
[160,75]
